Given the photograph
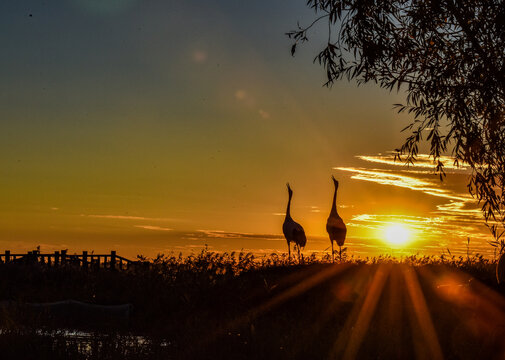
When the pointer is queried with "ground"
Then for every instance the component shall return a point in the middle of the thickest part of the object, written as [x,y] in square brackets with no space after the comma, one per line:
[219,306]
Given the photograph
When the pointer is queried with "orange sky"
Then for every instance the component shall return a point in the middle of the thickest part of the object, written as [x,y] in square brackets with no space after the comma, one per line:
[155,127]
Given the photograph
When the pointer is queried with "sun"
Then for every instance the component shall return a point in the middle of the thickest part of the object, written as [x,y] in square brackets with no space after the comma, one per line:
[397,234]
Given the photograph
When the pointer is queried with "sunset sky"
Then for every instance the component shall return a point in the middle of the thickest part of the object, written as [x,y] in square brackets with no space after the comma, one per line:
[150,126]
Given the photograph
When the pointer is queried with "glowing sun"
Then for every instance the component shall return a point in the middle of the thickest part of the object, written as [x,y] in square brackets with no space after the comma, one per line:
[397,234]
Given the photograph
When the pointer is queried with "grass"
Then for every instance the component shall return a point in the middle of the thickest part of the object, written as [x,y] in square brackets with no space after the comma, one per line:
[237,306]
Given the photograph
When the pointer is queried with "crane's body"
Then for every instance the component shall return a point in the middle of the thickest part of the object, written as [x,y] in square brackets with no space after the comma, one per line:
[335,225]
[293,232]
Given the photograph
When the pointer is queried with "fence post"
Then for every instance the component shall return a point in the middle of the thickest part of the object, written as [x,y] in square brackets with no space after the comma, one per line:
[7,256]
[63,256]
[112,259]
[56,258]
[85,259]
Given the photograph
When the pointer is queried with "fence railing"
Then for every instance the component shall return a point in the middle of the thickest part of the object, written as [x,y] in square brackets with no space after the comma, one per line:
[86,260]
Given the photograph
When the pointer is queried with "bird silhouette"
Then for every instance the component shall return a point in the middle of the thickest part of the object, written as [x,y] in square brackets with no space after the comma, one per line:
[335,225]
[293,232]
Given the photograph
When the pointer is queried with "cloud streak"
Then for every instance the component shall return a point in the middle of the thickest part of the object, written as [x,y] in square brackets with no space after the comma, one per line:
[459,216]
[423,161]
[407,182]
[239,235]
[127,217]
[152,227]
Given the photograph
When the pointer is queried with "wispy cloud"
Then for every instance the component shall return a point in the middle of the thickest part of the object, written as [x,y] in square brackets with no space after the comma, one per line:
[192,247]
[127,217]
[239,235]
[379,221]
[459,216]
[152,227]
[408,182]
[423,161]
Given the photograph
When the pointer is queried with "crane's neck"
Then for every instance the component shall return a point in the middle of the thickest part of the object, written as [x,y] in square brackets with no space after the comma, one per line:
[288,213]
[334,205]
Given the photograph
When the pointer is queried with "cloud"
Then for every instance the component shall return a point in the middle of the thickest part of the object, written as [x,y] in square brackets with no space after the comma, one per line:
[380,221]
[185,247]
[423,161]
[239,235]
[152,227]
[345,206]
[459,216]
[459,205]
[127,217]
[408,182]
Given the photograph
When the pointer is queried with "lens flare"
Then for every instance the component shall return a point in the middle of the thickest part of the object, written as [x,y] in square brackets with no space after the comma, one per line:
[104,7]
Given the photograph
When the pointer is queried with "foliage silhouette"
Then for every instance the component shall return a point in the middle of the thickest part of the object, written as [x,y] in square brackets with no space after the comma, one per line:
[187,307]
[448,57]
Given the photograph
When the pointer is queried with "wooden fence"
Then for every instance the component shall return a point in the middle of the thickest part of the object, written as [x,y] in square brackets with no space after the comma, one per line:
[86,260]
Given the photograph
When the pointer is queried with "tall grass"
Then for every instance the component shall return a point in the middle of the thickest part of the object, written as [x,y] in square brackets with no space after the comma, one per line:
[196,306]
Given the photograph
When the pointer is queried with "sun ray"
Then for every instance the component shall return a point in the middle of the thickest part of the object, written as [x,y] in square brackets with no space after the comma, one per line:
[345,287]
[394,313]
[298,289]
[356,326]
[422,313]
[303,285]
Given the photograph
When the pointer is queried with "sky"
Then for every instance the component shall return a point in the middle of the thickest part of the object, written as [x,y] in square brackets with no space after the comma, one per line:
[158,126]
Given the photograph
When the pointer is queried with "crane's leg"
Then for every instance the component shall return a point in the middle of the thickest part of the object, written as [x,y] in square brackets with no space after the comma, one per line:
[340,253]
[299,257]
[332,253]
[289,252]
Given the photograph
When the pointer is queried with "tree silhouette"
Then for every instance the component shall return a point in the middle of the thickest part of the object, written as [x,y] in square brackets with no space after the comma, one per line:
[448,57]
